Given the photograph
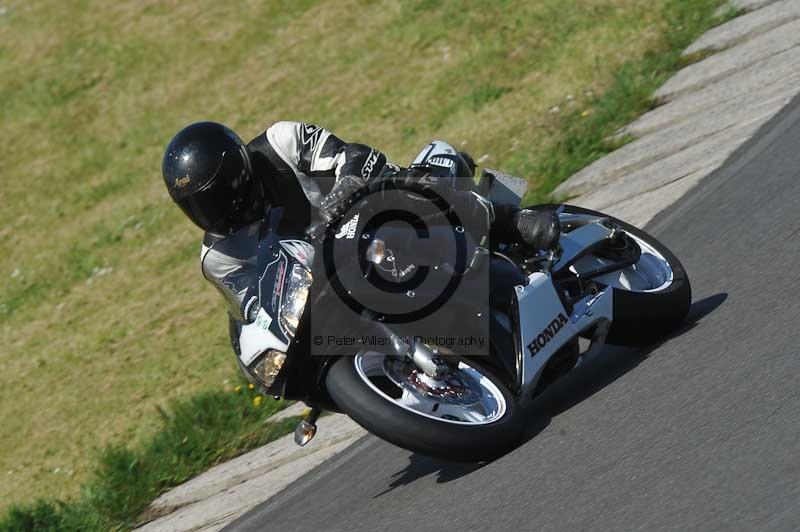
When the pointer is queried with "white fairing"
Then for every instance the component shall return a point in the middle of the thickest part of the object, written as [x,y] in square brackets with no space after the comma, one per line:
[256,338]
[539,307]
[545,325]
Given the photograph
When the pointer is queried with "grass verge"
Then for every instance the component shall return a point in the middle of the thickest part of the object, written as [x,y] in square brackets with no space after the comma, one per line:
[103,315]
[587,133]
[194,434]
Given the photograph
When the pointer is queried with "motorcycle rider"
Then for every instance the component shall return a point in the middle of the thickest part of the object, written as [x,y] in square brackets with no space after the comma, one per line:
[224,185]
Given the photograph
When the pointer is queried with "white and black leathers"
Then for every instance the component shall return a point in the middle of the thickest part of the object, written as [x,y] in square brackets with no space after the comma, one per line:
[303,162]
[298,165]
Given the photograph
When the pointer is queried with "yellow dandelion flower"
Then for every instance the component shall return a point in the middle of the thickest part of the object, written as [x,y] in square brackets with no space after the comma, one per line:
[257,400]
[238,388]
[586,113]
[251,386]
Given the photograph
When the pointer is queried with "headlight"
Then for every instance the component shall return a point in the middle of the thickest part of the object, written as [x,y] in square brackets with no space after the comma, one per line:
[295,297]
[268,367]
[376,251]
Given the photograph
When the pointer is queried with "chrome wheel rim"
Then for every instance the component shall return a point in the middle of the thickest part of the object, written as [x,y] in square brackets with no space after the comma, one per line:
[465,396]
[651,273]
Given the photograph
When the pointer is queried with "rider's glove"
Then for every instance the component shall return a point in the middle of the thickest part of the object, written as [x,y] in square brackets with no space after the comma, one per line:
[335,204]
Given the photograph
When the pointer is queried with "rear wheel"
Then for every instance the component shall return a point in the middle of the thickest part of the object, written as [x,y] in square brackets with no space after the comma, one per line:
[467,415]
[651,297]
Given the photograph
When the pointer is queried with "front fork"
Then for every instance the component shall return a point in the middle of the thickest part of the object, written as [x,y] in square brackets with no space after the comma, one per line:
[425,358]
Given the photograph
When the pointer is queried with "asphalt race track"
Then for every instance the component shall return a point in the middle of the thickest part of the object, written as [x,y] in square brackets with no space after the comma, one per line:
[699,433]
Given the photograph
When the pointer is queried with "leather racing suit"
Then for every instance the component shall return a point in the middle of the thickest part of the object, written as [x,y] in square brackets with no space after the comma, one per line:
[299,165]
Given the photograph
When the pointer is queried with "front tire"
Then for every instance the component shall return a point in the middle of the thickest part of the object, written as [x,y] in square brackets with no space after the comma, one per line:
[383,416]
[643,316]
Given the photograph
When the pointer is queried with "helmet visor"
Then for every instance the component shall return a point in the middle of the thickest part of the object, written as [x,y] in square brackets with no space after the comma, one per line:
[224,205]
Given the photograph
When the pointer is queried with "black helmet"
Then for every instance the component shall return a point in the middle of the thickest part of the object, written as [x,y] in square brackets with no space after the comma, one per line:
[207,172]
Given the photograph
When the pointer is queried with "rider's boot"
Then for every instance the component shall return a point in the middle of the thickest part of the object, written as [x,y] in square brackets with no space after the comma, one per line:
[538,229]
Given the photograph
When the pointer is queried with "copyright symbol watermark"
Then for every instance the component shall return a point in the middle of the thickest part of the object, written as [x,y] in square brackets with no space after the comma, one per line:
[400,256]
[423,249]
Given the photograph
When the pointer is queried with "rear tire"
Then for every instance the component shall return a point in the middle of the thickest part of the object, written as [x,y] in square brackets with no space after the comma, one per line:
[415,432]
[644,317]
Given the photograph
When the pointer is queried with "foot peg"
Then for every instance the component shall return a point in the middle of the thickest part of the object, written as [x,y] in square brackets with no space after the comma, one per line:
[307,428]
[598,342]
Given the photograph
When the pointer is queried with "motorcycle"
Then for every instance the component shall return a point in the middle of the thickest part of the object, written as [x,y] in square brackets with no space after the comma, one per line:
[604,280]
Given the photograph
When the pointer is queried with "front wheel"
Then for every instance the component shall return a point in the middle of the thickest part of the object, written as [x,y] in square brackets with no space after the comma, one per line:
[651,297]
[467,415]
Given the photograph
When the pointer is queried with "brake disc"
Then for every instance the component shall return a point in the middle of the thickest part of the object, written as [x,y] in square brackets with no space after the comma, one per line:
[454,387]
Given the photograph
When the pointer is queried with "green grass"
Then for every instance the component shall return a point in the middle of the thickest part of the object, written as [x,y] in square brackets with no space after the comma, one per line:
[586,134]
[104,317]
[193,435]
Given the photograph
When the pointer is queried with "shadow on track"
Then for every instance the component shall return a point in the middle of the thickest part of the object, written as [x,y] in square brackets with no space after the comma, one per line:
[610,365]
[577,386]
[421,466]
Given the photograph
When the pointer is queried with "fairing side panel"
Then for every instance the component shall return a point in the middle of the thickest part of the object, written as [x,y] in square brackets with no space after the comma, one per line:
[544,326]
